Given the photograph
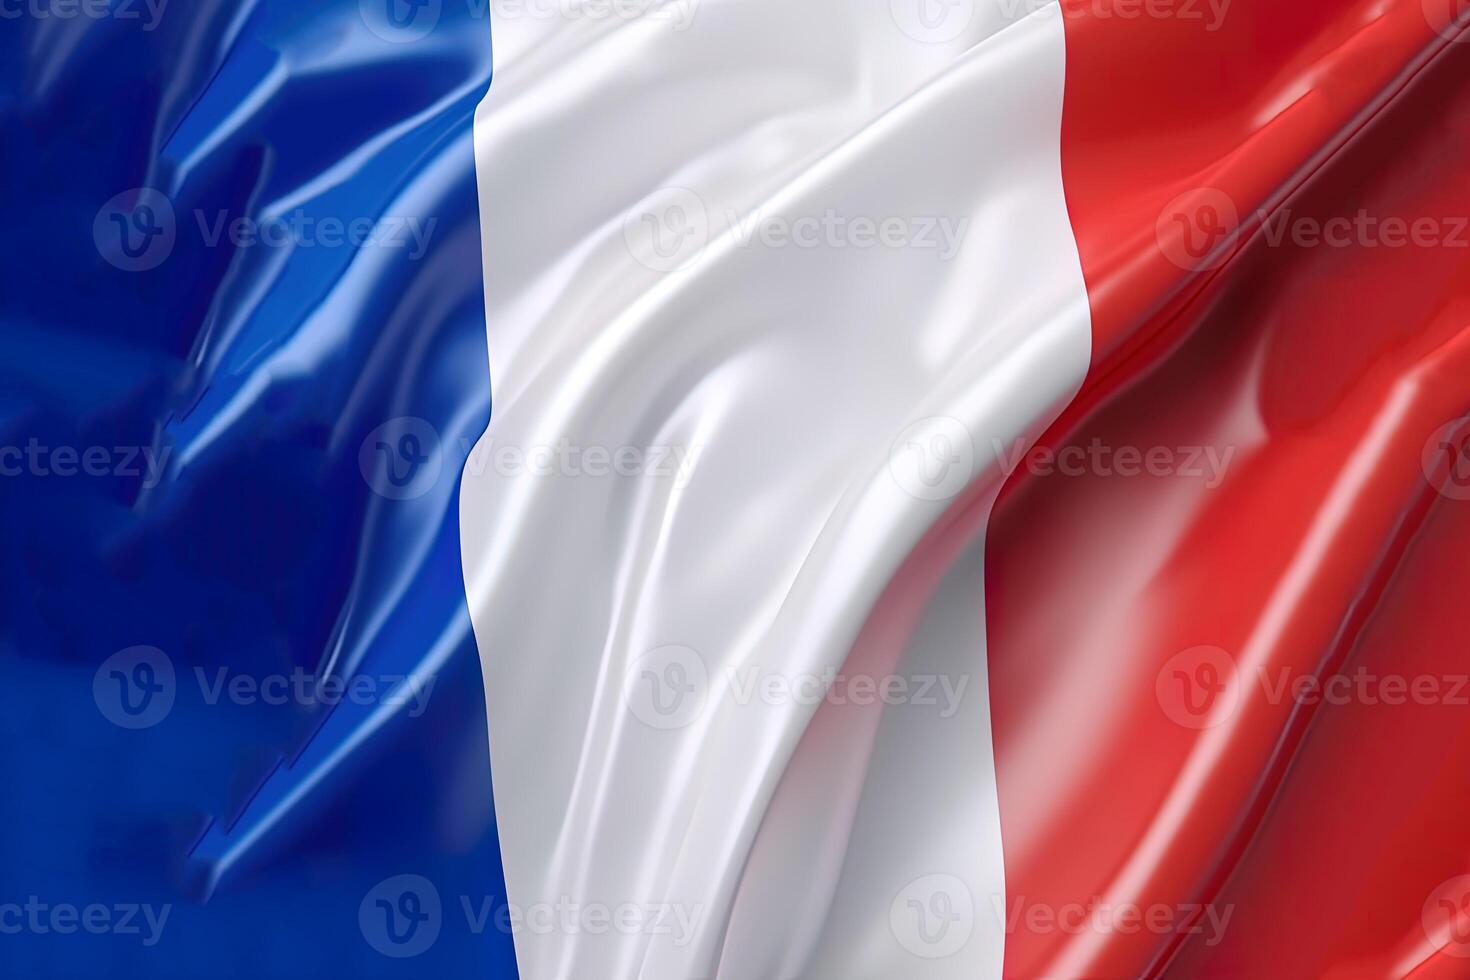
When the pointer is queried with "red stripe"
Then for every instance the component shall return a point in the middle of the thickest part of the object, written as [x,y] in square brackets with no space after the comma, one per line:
[1323,828]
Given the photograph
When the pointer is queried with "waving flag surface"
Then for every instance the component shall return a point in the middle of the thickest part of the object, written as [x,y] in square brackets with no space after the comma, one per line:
[974,488]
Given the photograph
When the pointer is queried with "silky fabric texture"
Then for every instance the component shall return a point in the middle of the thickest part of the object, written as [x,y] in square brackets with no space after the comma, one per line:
[1204,662]
[829,408]
[231,380]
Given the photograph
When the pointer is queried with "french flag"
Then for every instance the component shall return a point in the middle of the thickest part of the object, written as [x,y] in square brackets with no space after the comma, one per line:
[755,490]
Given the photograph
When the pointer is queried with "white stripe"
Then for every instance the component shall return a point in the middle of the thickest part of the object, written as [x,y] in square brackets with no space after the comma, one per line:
[641,182]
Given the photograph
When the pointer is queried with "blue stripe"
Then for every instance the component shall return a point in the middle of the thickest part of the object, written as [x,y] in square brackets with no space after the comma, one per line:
[205,385]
